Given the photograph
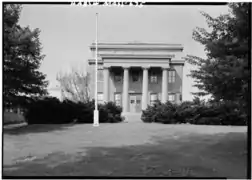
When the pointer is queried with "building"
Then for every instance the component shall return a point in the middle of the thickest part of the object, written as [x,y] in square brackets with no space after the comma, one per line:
[135,75]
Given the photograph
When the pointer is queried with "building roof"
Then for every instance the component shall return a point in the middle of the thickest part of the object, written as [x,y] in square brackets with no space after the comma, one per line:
[138,45]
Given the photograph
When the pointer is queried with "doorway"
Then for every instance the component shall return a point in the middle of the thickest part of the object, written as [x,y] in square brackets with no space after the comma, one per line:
[135,103]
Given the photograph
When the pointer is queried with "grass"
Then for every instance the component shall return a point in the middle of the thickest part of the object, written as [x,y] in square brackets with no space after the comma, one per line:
[127,149]
[35,128]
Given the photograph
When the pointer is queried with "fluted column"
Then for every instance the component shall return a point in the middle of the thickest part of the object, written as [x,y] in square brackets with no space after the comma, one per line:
[125,89]
[164,84]
[106,84]
[145,88]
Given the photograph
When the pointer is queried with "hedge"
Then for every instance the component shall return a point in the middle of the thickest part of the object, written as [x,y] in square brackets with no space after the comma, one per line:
[51,111]
[221,113]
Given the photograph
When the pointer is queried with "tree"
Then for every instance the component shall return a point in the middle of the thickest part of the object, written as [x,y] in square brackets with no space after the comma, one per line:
[75,85]
[22,59]
[224,73]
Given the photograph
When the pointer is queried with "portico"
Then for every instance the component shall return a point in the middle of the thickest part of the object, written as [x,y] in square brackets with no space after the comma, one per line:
[136,75]
[144,81]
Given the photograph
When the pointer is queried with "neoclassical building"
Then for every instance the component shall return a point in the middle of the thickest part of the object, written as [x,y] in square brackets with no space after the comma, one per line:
[135,75]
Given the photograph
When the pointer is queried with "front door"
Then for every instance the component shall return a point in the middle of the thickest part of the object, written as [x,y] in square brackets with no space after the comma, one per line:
[135,103]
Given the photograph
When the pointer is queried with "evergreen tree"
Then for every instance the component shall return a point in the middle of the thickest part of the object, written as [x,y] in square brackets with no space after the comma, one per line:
[224,73]
[22,59]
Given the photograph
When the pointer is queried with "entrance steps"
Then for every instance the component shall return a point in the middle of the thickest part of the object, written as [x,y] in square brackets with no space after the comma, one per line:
[132,117]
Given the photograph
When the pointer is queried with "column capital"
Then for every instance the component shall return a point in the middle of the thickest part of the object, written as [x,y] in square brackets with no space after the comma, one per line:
[125,67]
[165,67]
[146,67]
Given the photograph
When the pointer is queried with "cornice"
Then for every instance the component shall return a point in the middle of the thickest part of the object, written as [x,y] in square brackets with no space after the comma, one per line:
[177,62]
[172,62]
[166,67]
[135,56]
[92,61]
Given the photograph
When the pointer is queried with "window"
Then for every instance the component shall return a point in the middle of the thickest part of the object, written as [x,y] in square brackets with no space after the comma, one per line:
[171,97]
[135,76]
[100,98]
[153,99]
[171,76]
[99,79]
[153,77]
[118,77]
[100,75]
[118,98]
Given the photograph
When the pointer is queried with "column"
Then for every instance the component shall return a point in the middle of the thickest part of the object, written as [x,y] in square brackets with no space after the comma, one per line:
[106,84]
[164,84]
[125,89]
[145,88]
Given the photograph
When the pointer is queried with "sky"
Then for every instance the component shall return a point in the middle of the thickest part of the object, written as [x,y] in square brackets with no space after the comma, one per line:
[68,31]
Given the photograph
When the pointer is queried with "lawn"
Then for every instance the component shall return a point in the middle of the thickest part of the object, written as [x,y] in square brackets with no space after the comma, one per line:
[126,149]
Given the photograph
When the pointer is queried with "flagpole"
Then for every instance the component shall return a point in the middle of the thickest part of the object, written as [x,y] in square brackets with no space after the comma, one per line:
[96,112]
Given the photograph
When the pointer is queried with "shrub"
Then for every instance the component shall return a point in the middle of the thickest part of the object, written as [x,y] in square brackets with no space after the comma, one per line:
[51,111]
[230,113]
[85,112]
[168,115]
[108,112]
[185,112]
[221,113]
[112,112]
[159,112]
[48,111]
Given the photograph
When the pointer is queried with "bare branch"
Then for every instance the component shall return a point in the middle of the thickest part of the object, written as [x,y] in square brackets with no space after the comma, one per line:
[75,85]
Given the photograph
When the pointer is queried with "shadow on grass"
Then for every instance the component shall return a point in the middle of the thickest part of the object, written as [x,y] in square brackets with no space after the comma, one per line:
[36,128]
[219,155]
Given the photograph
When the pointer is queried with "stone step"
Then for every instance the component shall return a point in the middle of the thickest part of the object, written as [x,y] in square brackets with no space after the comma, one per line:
[133,117]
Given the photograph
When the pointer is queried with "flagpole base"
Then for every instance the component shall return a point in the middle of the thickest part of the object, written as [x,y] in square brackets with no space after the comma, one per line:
[96,118]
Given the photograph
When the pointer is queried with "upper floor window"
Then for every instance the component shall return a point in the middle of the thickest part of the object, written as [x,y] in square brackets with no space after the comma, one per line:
[118,77]
[135,76]
[171,76]
[100,75]
[153,77]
